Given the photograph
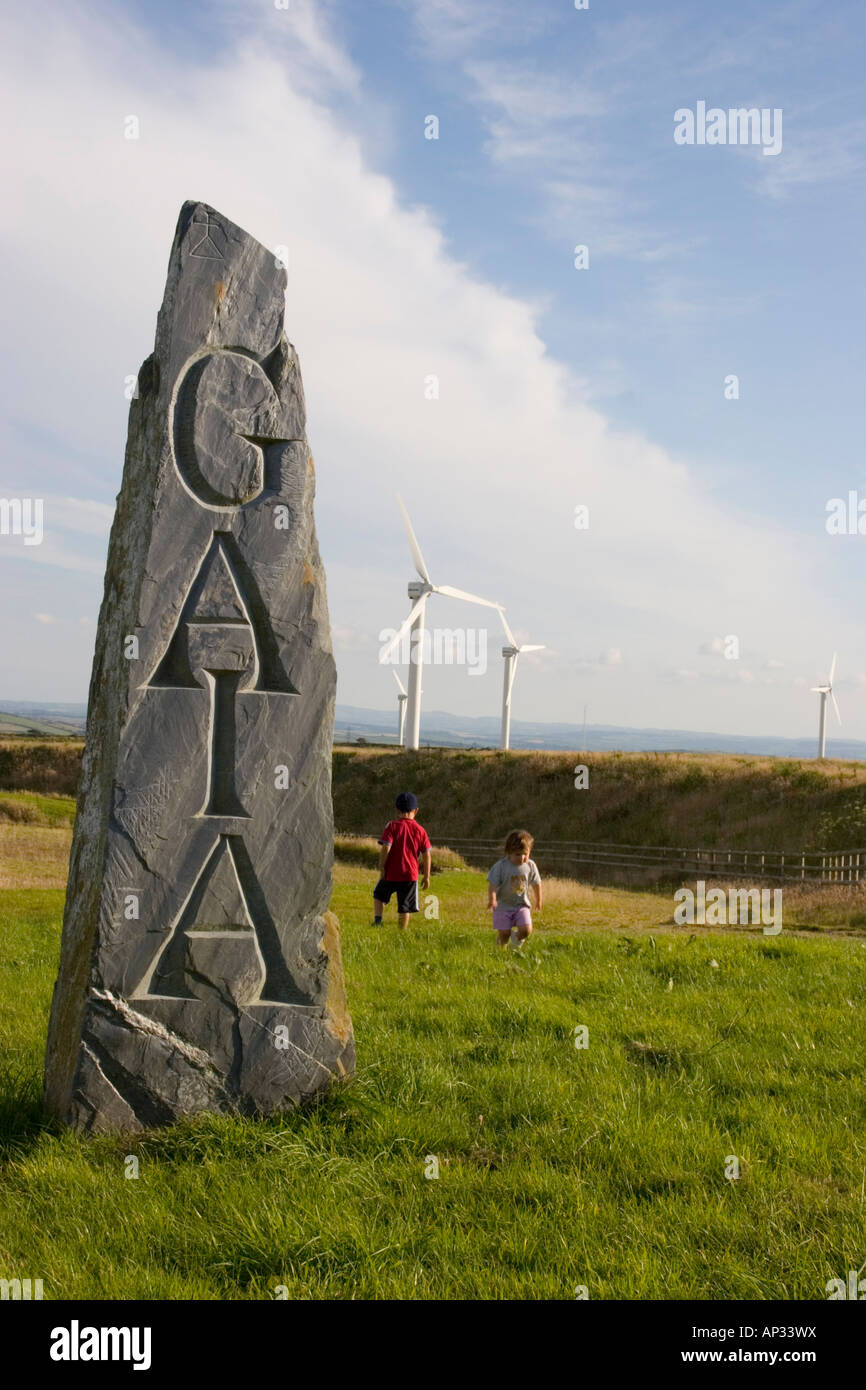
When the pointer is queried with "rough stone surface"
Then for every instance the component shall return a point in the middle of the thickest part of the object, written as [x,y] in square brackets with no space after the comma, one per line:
[200,968]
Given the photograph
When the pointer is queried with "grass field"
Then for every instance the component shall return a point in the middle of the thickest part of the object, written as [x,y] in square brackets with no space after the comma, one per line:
[558,1166]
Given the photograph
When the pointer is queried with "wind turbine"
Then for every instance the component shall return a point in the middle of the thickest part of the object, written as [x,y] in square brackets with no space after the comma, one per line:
[824,691]
[401,710]
[419,594]
[510,653]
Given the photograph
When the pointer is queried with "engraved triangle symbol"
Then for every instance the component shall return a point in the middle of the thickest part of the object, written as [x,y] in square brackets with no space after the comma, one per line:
[222,906]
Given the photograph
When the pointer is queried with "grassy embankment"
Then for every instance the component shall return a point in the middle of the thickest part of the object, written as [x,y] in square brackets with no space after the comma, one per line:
[602,1166]
[682,799]
[679,799]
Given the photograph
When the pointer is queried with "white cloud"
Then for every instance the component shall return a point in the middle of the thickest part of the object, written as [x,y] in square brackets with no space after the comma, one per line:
[55,555]
[78,514]
[64,519]
[310,34]
[351,639]
[611,657]
[531,98]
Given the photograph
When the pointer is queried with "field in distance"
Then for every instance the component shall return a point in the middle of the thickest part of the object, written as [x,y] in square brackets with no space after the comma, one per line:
[698,800]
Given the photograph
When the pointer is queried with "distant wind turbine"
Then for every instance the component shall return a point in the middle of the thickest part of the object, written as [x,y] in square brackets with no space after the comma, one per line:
[824,691]
[402,697]
[510,653]
[419,594]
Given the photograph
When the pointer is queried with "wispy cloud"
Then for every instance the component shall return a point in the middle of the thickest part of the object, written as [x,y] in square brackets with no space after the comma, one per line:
[65,521]
[814,158]
[453,29]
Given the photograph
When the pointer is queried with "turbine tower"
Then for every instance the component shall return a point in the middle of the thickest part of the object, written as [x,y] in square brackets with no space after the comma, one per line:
[419,592]
[824,691]
[510,653]
[402,697]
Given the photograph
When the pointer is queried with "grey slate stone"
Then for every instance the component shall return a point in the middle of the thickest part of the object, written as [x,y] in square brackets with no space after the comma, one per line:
[200,968]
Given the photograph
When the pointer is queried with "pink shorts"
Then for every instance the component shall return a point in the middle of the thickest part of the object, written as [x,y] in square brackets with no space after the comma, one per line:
[507,918]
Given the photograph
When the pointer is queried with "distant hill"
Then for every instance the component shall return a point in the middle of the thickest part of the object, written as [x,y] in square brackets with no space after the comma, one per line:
[676,799]
[440,729]
[654,798]
[32,720]
[443,730]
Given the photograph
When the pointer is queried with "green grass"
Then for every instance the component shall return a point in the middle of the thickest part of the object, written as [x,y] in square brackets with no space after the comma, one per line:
[36,808]
[603,1166]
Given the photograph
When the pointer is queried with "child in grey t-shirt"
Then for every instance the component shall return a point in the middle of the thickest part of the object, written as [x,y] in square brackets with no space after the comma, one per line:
[510,882]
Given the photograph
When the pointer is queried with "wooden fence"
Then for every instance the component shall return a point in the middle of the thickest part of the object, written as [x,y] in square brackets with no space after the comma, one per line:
[579,858]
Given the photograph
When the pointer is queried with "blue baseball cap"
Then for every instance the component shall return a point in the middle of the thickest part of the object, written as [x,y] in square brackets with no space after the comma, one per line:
[406,802]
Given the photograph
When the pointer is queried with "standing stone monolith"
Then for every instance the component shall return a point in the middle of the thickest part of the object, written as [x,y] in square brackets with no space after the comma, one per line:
[200,968]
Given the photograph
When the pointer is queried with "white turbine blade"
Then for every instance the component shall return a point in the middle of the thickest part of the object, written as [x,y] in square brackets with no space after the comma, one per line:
[836,707]
[400,686]
[535,647]
[415,548]
[832,670]
[512,674]
[461,593]
[401,631]
[512,640]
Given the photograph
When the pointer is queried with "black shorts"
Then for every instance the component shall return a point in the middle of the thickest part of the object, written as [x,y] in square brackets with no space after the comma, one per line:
[407,894]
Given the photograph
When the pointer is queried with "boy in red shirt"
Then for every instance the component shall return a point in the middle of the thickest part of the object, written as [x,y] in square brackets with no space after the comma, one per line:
[403,843]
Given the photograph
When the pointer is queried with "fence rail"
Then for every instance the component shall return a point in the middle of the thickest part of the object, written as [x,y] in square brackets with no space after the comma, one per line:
[787,866]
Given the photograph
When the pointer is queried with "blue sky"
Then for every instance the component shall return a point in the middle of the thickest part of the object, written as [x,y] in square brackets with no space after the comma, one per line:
[454,257]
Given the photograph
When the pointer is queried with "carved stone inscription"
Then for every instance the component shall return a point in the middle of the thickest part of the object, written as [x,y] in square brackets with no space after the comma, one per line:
[200,967]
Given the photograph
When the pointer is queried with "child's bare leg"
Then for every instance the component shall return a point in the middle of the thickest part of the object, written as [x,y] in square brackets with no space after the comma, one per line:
[521,929]
[402,919]
[504,936]
[378,908]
